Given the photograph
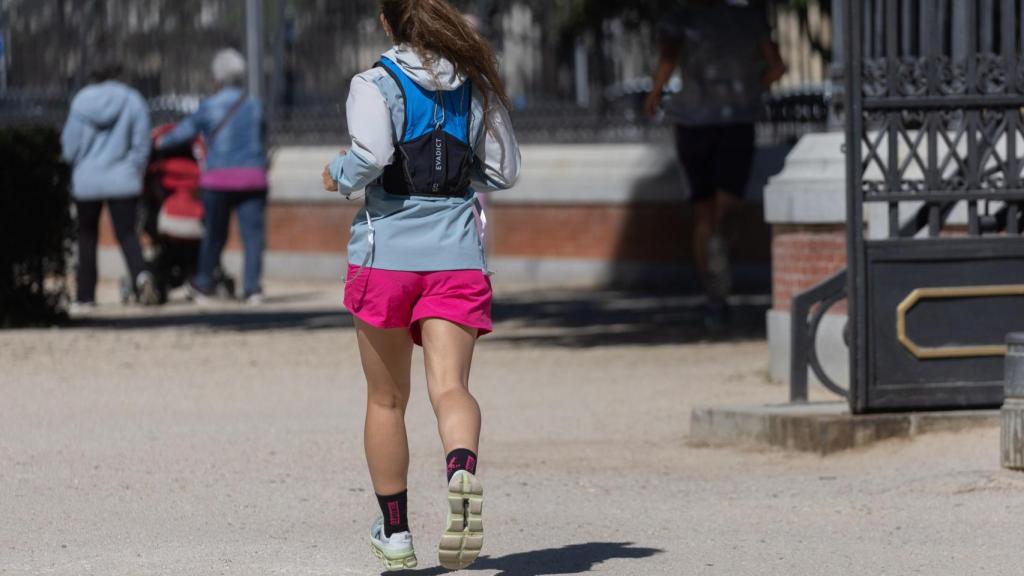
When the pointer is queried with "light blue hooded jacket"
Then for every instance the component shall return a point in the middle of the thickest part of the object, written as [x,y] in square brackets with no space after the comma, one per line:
[418,233]
[106,140]
[240,143]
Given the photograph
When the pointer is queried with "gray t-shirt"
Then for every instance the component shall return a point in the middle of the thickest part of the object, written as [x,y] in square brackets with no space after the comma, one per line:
[721,63]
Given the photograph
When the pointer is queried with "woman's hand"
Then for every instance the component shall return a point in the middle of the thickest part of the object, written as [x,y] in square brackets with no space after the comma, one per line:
[329,184]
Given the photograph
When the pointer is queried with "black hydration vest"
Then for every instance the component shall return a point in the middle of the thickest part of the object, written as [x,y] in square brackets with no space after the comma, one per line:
[433,155]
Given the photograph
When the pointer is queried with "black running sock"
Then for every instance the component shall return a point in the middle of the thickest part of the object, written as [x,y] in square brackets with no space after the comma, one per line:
[395,512]
[461,459]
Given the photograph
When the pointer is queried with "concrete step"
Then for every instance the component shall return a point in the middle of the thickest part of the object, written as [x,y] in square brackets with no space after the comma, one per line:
[824,428]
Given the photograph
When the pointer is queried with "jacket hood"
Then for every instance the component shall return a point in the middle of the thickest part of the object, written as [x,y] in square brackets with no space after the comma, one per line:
[437,75]
[101,104]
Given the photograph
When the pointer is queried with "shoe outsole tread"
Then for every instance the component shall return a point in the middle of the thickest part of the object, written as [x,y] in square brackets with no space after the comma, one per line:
[463,536]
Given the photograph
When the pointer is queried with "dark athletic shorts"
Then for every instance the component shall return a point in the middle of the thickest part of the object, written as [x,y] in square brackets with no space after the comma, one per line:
[716,157]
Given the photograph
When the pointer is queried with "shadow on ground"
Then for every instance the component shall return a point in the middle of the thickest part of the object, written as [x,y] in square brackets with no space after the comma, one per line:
[566,318]
[572,559]
[588,319]
[230,320]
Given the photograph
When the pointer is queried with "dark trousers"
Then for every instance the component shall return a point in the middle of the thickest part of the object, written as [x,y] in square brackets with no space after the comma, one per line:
[217,207]
[124,213]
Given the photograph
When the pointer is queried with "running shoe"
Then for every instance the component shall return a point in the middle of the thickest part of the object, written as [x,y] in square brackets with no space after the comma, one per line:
[717,316]
[464,529]
[196,295]
[80,309]
[396,551]
[145,286]
[719,269]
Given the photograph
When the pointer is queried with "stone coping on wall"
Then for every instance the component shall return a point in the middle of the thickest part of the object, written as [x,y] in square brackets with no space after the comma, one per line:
[552,174]
[574,174]
[811,189]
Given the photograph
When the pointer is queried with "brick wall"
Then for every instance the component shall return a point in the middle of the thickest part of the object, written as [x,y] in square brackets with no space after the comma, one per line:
[802,256]
[643,232]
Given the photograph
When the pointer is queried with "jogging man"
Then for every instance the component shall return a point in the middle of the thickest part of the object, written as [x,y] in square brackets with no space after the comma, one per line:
[727,59]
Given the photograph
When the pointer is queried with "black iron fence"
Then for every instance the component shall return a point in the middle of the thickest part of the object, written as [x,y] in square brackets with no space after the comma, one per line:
[577,70]
[787,115]
[934,92]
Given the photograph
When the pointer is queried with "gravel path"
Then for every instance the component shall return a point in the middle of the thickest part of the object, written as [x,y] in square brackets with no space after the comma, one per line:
[227,441]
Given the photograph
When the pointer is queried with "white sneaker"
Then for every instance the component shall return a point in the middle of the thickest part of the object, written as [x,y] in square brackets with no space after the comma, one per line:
[196,296]
[145,286]
[719,269]
[463,536]
[396,551]
[79,309]
[255,299]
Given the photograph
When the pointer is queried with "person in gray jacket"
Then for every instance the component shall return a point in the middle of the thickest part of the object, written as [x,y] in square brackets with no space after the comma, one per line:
[106,140]
[234,175]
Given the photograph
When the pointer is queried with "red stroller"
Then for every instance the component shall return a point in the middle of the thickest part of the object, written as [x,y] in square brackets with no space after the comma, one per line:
[173,216]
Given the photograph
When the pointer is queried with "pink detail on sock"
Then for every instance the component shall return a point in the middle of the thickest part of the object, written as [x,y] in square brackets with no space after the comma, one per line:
[394,514]
[453,465]
[471,464]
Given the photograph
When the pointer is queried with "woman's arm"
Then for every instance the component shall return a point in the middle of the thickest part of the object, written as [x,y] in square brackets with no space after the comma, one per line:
[373,147]
[498,159]
[186,131]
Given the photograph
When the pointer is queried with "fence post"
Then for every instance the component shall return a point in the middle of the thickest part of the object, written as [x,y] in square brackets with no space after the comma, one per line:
[254,46]
[1012,448]
[3,52]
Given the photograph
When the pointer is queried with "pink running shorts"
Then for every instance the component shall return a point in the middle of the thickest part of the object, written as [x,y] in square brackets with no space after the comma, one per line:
[390,299]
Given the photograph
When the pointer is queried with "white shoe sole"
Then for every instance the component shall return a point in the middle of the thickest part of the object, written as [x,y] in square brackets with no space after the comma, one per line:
[463,536]
[400,561]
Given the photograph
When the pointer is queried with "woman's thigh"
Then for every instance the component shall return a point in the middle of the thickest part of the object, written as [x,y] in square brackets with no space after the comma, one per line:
[386,356]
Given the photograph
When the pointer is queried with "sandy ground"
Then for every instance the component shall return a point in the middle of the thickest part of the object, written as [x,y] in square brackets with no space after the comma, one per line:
[228,441]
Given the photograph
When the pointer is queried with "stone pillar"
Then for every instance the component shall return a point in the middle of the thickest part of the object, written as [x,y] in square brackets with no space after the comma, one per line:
[1013,407]
[805,205]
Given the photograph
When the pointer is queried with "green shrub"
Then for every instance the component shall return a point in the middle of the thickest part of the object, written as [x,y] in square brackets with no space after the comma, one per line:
[36,228]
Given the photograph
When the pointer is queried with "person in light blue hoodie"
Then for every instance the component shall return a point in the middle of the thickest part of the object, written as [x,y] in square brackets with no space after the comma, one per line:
[106,140]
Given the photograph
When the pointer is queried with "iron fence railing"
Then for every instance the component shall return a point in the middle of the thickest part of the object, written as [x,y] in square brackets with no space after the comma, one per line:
[787,115]
[933,96]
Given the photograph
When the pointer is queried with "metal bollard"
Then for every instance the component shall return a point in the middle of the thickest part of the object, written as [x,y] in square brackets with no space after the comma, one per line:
[1013,407]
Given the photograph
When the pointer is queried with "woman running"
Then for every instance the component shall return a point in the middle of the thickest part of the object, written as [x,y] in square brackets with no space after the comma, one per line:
[429,126]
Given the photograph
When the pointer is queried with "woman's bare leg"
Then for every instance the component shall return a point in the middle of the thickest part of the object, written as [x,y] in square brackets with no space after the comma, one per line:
[448,351]
[448,354]
[386,357]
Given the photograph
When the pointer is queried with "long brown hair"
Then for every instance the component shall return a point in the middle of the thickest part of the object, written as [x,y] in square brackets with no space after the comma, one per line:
[436,27]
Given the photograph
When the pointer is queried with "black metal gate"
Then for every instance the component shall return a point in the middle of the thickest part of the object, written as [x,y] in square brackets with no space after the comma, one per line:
[934,92]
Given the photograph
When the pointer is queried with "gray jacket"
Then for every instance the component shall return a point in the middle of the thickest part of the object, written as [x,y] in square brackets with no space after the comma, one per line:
[418,234]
